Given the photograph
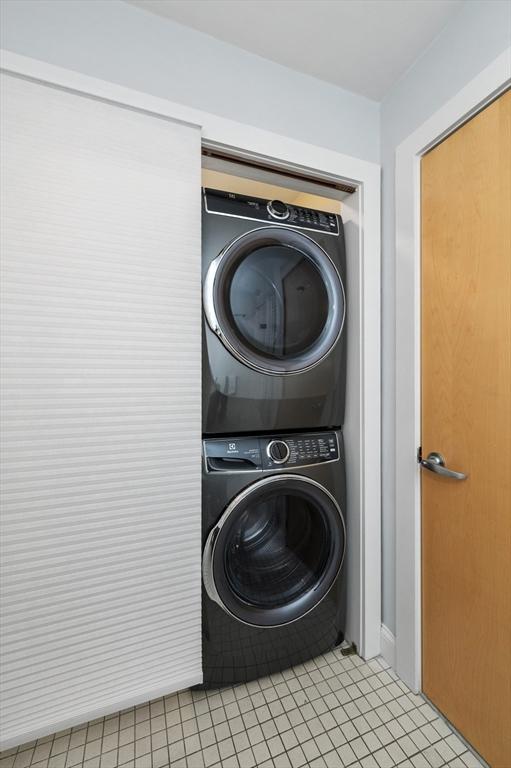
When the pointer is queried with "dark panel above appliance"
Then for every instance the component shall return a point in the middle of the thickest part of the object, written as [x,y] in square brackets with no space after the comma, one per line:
[245,454]
[270,211]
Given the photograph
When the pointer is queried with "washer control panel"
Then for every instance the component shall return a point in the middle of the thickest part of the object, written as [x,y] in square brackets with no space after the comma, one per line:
[270,211]
[249,454]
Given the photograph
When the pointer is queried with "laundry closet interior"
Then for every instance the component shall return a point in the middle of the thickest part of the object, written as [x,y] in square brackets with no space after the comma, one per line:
[275,531]
[230,383]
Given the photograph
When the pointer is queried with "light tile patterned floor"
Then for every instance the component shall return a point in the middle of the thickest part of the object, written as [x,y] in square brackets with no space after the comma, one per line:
[331,712]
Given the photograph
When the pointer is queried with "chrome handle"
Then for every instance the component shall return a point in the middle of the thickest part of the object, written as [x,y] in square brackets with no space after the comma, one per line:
[435,462]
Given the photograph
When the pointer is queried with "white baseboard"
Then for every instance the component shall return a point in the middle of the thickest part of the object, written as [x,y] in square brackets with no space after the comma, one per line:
[388,646]
[167,688]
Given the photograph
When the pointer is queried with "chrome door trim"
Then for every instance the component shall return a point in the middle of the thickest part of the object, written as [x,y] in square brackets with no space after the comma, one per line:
[208,301]
[210,546]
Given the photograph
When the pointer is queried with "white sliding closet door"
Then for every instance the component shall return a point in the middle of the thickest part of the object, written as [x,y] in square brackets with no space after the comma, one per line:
[101,408]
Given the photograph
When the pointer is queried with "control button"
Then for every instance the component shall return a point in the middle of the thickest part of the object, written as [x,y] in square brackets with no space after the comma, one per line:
[278,210]
[278,451]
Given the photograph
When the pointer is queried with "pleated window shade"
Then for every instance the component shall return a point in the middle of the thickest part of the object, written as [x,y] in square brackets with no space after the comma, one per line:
[100,558]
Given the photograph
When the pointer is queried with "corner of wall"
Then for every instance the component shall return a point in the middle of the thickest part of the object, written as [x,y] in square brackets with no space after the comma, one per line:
[388,646]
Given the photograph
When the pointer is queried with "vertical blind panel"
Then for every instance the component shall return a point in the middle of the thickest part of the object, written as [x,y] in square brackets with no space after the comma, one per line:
[100,559]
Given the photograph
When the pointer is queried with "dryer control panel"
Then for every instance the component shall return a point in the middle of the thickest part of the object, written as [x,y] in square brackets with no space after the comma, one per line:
[245,454]
[270,211]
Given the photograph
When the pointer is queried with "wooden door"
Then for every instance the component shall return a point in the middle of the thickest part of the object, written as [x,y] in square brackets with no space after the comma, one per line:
[466,417]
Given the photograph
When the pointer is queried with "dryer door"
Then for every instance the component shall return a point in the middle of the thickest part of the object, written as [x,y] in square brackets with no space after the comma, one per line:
[276,551]
[276,300]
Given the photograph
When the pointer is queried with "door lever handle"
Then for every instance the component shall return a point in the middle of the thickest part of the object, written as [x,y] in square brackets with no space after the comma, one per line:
[435,462]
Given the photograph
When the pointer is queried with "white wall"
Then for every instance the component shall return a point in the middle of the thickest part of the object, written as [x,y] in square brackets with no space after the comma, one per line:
[115,41]
[474,37]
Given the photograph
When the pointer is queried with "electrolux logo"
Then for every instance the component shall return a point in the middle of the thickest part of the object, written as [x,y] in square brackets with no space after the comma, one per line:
[232,447]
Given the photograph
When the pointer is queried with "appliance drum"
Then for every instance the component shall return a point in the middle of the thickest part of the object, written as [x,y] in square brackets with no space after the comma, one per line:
[276,551]
[276,300]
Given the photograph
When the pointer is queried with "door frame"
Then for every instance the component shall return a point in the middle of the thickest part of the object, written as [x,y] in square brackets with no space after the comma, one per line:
[477,94]
[362,230]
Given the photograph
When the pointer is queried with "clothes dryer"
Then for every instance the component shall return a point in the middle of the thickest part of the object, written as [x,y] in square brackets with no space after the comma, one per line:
[274,350]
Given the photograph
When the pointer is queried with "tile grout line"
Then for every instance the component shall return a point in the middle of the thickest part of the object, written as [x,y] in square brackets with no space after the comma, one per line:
[305,686]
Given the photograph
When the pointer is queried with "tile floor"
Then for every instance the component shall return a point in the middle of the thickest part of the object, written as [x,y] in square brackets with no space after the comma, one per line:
[331,712]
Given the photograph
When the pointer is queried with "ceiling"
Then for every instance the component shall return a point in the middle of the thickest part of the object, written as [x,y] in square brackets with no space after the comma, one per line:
[361,45]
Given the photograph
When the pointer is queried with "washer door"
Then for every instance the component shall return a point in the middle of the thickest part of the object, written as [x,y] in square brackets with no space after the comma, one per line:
[275,552]
[276,300]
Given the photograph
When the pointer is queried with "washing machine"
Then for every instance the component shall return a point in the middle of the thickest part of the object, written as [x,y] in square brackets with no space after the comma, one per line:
[274,542]
[274,327]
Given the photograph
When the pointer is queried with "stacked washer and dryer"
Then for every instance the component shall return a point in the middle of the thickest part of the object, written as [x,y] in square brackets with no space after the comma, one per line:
[274,498]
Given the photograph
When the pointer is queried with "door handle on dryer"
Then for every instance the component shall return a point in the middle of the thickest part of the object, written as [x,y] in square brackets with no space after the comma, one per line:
[435,462]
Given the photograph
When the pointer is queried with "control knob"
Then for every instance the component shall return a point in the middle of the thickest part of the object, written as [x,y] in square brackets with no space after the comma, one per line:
[278,451]
[278,210]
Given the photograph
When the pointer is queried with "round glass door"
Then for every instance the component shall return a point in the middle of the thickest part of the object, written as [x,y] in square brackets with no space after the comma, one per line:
[276,300]
[277,551]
